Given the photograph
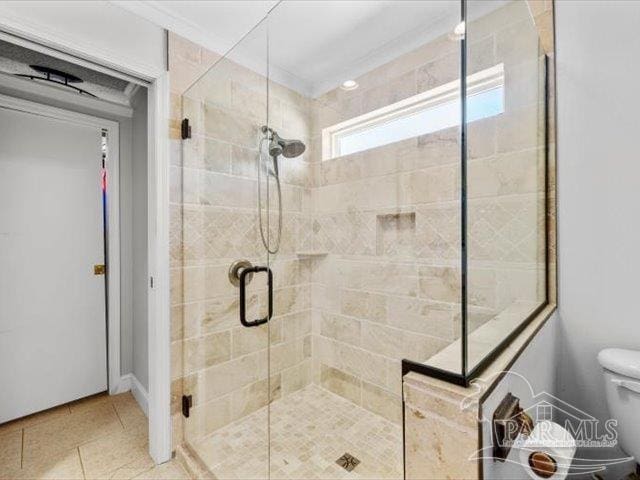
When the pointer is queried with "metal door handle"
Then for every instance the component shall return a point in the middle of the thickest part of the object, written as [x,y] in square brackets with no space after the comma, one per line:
[243,295]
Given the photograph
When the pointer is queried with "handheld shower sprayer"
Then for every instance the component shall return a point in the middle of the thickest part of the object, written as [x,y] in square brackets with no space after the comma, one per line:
[277,146]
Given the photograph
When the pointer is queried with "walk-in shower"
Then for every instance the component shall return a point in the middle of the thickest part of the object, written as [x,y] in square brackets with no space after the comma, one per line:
[403,230]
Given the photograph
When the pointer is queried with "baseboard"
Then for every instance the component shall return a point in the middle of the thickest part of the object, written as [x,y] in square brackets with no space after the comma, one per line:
[129,382]
[123,385]
[140,394]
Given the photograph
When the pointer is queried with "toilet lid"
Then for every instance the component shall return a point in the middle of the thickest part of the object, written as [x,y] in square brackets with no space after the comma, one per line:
[619,360]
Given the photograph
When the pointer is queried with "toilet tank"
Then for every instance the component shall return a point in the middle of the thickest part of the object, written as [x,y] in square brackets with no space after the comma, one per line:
[622,385]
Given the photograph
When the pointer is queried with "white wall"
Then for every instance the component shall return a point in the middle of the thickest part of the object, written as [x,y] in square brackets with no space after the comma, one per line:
[598,66]
[140,277]
[112,36]
[133,223]
[94,30]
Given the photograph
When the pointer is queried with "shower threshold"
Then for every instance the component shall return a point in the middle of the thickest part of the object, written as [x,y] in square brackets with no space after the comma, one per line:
[310,429]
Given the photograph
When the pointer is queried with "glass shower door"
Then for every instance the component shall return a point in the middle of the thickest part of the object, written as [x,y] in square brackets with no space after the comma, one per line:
[225,289]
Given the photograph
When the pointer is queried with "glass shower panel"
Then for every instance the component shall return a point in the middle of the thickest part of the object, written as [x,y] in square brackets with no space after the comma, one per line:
[225,362]
[368,269]
[506,169]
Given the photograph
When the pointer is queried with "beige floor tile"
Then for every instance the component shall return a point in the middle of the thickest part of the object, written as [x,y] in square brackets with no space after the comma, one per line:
[10,452]
[167,471]
[64,466]
[56,436]
[133,469]
[129,411]
[309,430]
[102,457]
[86,439]
[88,403]
[35,419]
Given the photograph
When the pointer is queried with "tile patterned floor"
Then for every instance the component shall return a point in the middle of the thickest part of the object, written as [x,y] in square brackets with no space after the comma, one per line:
[310,430]
[100,437]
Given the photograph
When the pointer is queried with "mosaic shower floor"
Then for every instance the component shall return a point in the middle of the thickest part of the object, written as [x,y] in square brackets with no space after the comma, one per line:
[310,430]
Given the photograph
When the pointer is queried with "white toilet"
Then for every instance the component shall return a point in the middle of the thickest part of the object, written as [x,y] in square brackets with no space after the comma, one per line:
[622,384]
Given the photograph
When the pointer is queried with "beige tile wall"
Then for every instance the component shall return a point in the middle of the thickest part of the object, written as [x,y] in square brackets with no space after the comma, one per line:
[389,217]
[506,183]
[227,368]
[187,62]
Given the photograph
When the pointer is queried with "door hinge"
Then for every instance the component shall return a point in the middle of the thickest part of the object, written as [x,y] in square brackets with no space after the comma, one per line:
[187,403]
[185,129]
[151,281]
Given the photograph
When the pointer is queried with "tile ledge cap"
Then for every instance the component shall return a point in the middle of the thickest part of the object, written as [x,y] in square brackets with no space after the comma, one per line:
[503,362]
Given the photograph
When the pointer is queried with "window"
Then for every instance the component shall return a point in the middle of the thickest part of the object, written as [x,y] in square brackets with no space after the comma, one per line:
[426,112]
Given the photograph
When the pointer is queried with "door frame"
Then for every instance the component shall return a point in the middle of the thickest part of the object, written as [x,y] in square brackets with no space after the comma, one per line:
[159,300]
[112,235]
[159,296]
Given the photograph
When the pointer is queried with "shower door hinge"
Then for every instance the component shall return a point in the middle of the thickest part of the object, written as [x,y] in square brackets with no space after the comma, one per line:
[185,129]
[187,403]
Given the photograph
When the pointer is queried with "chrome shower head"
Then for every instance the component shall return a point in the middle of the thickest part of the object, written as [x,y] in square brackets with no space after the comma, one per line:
[289,148]
[282,146]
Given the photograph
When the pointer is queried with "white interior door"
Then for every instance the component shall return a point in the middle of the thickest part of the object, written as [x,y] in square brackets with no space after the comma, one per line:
[53,346]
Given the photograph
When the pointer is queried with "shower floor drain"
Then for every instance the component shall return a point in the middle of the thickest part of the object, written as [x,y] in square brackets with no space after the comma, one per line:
[348,462]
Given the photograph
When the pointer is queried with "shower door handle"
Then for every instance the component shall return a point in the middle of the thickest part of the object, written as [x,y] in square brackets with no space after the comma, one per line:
[243,296]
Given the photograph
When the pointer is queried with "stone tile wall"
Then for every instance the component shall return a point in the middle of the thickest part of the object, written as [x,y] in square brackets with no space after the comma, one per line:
[389,217]
[227,368]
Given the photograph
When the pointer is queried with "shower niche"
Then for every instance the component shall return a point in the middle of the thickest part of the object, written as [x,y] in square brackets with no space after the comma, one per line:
[417,162]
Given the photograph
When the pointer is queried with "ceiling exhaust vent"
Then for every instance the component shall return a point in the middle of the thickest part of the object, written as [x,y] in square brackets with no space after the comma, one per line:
[58,77]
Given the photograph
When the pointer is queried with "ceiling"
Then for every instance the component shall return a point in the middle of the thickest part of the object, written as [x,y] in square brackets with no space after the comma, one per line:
[324,43]
[314,45]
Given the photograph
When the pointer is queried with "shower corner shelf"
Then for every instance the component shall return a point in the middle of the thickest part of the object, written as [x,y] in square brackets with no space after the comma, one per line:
[312,253]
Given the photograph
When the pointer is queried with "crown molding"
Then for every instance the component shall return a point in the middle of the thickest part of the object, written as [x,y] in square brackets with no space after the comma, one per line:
[159,14]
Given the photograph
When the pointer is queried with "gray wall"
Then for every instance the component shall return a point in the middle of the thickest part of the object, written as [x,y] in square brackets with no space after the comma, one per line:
[598,65]
[533,373]
[140,349]
[133,241]
[126,254]
[597,47]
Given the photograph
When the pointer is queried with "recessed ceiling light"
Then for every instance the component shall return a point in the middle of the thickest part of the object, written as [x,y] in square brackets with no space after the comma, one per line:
[349,85]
